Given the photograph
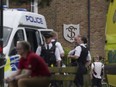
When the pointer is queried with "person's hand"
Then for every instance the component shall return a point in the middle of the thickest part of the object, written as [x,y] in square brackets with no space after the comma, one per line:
[91,77]
[69,56]
[9,79]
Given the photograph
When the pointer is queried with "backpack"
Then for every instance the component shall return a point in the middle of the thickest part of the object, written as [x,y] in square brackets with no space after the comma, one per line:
[49,54]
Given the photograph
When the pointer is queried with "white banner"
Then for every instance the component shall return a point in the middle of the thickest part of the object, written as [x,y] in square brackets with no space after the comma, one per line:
[70,31]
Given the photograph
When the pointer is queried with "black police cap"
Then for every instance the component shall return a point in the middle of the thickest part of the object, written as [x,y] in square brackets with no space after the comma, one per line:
[47,35]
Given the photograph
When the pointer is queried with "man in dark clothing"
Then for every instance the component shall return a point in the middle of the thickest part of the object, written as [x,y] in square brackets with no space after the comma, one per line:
[82,57]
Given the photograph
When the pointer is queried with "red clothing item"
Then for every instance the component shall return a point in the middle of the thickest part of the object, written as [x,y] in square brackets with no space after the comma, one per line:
[0,49]
[34,63]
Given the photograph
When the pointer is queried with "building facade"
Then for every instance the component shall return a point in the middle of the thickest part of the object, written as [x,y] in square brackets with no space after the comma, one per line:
[61,12]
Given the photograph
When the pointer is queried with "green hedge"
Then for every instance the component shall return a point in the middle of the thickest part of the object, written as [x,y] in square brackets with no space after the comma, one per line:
[65,59]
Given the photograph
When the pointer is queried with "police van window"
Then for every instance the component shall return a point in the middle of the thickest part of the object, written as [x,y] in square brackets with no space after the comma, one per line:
[17,37]
[32,38]
[43,39]
[6,34]
[38,38]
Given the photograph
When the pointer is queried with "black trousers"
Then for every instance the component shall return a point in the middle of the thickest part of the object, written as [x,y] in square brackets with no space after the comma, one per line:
[96,82]
[79,82]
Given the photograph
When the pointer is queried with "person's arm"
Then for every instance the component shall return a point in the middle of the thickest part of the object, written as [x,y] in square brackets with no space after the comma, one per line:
[73,56]
[58,58]
[88,60]
[91,70]
[71,52]
[38,51]
[11,78]
[77,53]
[25,73]
[58,63]
[58,44]
[103,73]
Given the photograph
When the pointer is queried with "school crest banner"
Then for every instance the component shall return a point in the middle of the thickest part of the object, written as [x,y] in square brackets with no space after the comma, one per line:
[70,31]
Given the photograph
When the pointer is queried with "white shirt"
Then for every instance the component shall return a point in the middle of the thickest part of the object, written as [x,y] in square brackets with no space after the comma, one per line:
[59,46]
[57,54]
[97,66]
[77,52]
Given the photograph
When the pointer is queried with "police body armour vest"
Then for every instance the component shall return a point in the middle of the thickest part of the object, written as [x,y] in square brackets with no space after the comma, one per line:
[83,56]
[49,54]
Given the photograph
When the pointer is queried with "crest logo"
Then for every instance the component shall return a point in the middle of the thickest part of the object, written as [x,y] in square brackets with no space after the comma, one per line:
[70,31]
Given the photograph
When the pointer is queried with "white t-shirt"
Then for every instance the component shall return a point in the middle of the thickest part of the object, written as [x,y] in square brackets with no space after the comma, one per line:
[97,67]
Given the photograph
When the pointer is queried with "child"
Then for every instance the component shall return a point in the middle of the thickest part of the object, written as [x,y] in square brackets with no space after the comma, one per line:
[97,68]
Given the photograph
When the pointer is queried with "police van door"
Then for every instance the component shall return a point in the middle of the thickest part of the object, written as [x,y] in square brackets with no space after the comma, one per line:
[33,37]
[19,35]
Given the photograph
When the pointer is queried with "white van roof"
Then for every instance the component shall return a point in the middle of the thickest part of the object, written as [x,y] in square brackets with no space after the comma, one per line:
[15,18]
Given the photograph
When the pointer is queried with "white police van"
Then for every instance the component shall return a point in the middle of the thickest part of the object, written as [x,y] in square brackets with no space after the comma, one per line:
[21,25]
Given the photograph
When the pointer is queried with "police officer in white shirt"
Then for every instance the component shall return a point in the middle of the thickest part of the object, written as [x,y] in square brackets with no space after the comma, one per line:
[48,38]
[75,53]
[82,58]
[58,44]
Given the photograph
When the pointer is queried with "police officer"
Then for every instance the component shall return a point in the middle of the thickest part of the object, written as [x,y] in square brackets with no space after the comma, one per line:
[49,52]
[58,44]
[82,57]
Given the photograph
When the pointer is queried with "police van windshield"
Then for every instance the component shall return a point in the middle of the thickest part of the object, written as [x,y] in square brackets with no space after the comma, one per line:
[6,35]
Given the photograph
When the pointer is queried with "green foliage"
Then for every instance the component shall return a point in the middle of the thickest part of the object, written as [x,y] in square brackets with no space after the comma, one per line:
[65,59]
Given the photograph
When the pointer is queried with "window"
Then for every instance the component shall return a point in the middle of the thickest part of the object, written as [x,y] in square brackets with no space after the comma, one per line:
[33,38]
[19,36]
[6,34]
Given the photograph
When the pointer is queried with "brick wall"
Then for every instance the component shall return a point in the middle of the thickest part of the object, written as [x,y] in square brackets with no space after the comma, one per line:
[76,12]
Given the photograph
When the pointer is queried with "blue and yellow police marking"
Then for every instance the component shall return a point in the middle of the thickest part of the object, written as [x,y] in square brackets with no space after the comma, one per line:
[11,64]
